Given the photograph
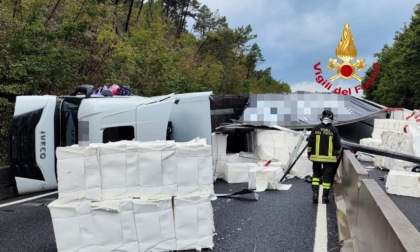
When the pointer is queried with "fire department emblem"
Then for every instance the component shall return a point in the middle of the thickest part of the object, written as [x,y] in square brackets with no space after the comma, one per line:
[346,51]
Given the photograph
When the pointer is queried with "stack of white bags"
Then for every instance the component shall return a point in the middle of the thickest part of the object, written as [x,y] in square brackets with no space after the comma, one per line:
[279,145]
[258,170]
[400,134]
[134,196]
[273,145]
[393,135]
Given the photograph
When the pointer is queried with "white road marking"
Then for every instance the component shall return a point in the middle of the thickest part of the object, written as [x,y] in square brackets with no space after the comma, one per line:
[28,199]
[321,237]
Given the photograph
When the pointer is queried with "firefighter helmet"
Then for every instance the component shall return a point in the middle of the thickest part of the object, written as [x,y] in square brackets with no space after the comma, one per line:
[327,113]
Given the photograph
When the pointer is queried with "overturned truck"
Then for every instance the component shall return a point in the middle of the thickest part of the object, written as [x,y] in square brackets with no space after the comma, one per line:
[40,124]
[354,117]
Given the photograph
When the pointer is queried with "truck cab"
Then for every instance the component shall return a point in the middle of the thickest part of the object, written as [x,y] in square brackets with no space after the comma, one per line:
[40,124]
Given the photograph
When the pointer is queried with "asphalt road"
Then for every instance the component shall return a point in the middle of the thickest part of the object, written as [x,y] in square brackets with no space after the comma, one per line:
[278,221]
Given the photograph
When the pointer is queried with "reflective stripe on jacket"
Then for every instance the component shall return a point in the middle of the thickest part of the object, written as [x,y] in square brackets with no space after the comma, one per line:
[324,143]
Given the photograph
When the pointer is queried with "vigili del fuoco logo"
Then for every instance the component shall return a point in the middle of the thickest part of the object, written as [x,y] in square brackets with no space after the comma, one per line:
[344,68]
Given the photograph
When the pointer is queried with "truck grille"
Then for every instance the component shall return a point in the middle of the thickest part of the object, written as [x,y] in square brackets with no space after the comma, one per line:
[22,145]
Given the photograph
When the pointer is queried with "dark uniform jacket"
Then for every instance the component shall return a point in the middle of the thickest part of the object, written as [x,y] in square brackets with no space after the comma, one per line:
[324,143]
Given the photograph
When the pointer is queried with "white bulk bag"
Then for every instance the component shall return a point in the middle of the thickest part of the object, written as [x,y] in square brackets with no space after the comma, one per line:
[73,225]
[114,224]
[238,172]
[262,178]
[157,168]
[219,145]
[155,224]
[194,167]
[78,173]
[194,224]
[119,170]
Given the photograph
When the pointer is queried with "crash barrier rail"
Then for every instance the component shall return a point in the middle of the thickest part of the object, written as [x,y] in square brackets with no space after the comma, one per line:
[351,173]
[381,226]
[375,222]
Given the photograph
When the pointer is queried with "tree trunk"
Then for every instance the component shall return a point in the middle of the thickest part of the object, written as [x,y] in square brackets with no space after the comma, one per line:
[149,14]
[80,11]
[127,22]
[183,18]
[117,31]
[199,48]
[52,12]
[140,9]
[15,8]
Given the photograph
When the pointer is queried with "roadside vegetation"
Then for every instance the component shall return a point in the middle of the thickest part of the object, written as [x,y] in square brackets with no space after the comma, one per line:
[157,47]
[398,81]
[52,46]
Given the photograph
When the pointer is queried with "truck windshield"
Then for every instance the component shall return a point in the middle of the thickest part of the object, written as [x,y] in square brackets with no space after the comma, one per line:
[69,122]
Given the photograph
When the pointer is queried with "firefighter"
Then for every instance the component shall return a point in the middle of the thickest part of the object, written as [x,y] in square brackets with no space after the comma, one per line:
[324,148]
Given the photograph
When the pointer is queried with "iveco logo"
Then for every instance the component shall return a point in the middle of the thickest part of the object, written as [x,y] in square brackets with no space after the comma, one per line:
[43,149]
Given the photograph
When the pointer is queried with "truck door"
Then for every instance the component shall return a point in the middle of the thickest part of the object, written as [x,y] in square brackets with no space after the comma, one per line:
[152,120]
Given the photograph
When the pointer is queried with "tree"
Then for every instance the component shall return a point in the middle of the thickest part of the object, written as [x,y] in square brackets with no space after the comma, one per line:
[265,83]
[178,10]
[252,59]
[399,77]
[207,21]
[52,46]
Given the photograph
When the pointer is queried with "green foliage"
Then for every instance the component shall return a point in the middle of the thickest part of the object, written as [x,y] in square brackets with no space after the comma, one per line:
[50,47]
[266,84]
[399,77]
[6,113]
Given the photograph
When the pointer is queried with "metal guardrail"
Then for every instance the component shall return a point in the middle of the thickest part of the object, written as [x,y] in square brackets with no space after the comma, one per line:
[352,172]
[381,226]
[380,152]
[375,223]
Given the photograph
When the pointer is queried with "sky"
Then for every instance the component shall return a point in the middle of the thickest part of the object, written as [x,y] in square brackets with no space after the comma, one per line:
[294,35]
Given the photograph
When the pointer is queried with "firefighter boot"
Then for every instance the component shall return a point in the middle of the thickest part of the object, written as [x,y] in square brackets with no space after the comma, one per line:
[325,194]
[315,190]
